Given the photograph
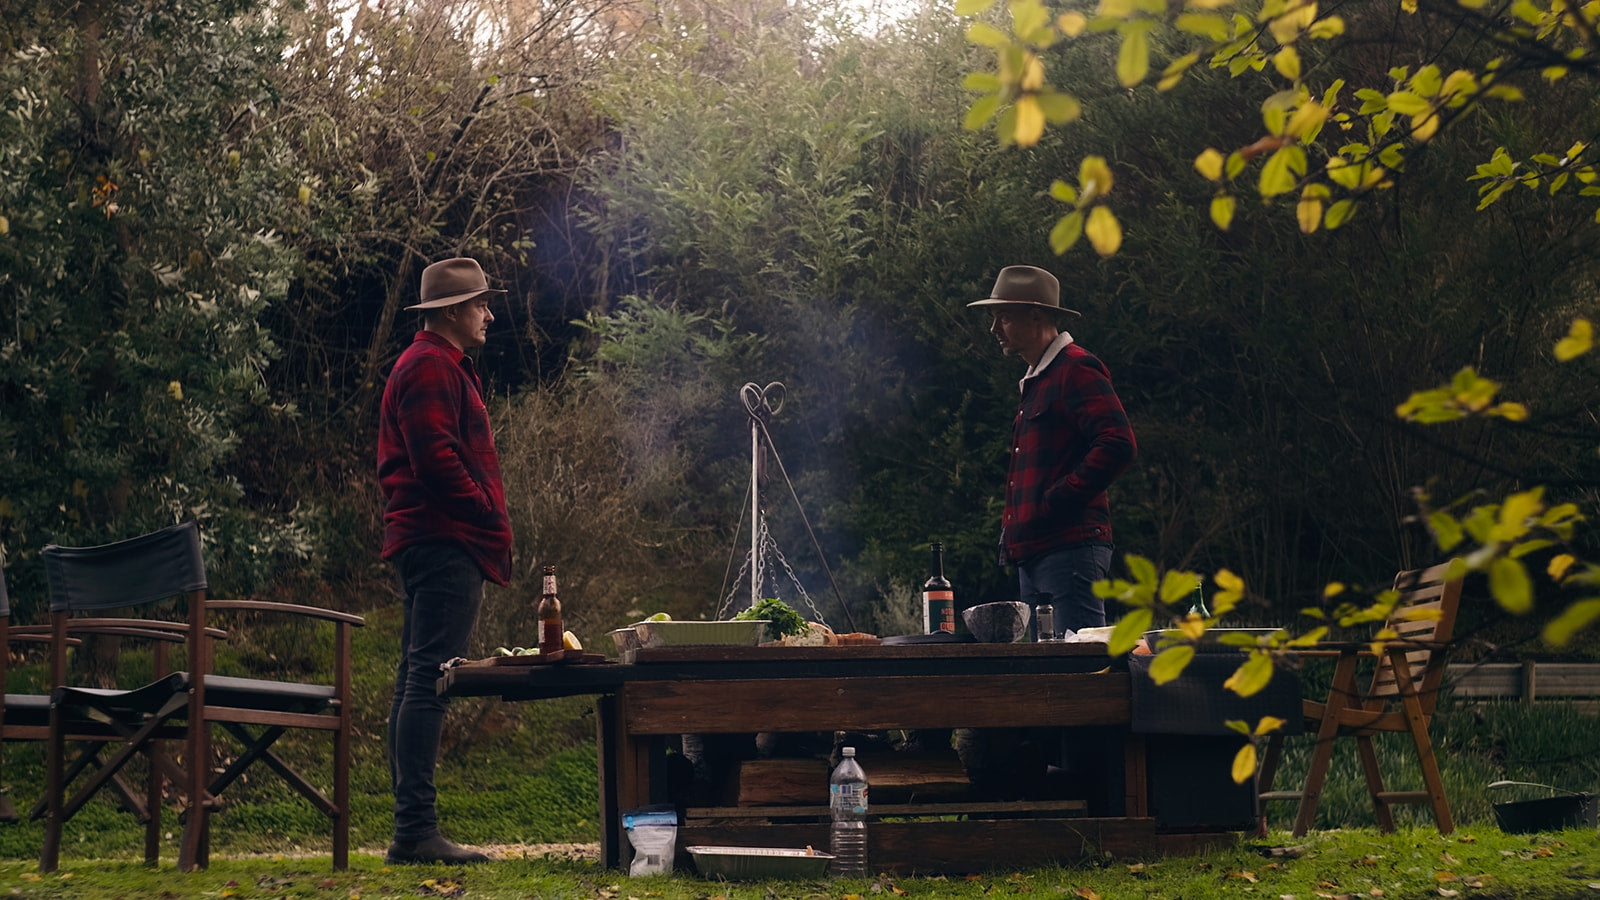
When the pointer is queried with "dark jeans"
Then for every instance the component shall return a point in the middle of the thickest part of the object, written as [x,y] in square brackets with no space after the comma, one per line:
[443,589]
[1068,576]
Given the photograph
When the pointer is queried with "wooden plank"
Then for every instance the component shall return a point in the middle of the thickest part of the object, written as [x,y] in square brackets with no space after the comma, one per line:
[977,845]
[606,721]
[872,704]
[859,653]
[910,810]
[1513,680]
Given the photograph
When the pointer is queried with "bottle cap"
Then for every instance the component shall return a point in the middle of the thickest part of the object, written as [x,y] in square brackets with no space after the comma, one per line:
[848,752]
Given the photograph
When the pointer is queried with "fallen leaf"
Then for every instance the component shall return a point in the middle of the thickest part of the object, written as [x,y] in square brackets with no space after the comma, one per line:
[1466,839]
[1543,852]
[1446,892]
[326,883]
[1445,876]
[1375,892]
[1136,868]
[1087,893]
[1246,876]
[1448,858]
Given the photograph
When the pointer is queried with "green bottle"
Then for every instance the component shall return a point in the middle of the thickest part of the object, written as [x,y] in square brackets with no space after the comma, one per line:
[1197,604]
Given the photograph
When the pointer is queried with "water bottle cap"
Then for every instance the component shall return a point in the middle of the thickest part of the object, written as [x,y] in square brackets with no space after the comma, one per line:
[849,751]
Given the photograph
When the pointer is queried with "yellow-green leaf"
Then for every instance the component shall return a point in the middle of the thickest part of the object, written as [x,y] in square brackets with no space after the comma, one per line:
[1207,26]
[1104,231]
[1573,619]
[1559,565]
[1252,676]
[1066,232]
[1209,164]
[1128,631]
[987,82]
[1133,58]
[1030,121]
[1276,178]
[1269,724]
[1309,214]
[987,35]
[1064,192]
[972,7]
[1059,108]
[1287,62]
[982,111]
[1408,104]
[1244,763]
[1222,207]
[1515,514]
[1510,585]
[1094,178]
[1447,531]
[1579,340]
[1170,663]
[1176,585]
[1072,23]
[1339,213]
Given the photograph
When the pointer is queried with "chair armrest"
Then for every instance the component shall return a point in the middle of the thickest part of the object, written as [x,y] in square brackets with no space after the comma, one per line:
[331,615]
[39,638]
[156,629]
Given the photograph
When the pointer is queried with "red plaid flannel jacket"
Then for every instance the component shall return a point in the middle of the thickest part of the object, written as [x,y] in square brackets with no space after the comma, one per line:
[1071,439]
[436,458]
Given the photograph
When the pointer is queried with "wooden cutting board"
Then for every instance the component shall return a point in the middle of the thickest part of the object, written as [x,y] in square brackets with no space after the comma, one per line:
[567,657]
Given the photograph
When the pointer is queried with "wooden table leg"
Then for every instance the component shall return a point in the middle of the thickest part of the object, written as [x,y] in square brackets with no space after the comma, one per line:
[1136,781]
[605,729]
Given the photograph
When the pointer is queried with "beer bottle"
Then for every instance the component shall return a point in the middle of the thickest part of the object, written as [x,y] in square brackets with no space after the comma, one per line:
[550,627]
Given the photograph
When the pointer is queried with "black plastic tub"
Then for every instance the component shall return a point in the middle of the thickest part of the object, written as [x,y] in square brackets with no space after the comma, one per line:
[1571,810]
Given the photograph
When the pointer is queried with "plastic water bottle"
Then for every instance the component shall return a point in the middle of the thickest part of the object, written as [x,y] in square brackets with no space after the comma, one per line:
[847,800]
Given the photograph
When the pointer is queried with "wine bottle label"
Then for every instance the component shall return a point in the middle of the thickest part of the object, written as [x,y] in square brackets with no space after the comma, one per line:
[549,585]
[938,612]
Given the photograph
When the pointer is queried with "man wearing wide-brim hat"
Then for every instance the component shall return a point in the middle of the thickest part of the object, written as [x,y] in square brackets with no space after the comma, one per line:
[445,528]
[1070,440]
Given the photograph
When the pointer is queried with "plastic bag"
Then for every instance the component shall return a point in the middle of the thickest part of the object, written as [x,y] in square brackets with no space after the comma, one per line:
[653,833]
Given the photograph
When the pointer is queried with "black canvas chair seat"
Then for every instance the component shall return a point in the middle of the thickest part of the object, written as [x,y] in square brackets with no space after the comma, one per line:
[140,701]
[260,693]
[27,709]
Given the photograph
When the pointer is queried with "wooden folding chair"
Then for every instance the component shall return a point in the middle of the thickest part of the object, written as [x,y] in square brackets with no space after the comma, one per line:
[127,722]
[1400,698]
[239,705]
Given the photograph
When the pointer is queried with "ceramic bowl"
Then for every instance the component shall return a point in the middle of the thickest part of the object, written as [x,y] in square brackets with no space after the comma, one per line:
[997,623]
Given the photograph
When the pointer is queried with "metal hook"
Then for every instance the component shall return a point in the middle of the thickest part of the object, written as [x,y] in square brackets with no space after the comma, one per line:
[763,402]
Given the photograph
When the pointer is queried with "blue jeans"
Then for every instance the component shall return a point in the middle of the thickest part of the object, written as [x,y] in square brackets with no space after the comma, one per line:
[443,590]
[1068,576]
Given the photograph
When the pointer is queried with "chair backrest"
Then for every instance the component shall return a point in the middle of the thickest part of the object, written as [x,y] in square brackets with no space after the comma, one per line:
[145,569]
[1425,612]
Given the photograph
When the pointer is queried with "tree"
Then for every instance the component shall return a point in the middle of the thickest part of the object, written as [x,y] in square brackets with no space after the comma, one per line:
[136,257]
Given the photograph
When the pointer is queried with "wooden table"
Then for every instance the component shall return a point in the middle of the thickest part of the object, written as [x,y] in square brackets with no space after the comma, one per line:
[662,692]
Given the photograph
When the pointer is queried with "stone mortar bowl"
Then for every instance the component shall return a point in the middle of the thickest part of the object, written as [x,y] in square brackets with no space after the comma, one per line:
[997,623]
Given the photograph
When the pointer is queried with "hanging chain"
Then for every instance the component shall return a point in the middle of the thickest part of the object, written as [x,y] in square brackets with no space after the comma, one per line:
[769,552]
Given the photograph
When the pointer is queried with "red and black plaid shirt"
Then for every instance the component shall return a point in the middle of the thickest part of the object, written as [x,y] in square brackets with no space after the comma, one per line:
[436,458]
[1071,439]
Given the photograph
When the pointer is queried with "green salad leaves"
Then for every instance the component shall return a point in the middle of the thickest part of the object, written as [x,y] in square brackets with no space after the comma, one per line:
[782,618]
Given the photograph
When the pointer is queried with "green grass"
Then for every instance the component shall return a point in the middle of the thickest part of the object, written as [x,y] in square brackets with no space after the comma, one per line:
[1413,863]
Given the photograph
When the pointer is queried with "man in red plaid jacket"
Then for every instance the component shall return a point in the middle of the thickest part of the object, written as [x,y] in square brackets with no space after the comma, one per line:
[445,528]
[1071,439]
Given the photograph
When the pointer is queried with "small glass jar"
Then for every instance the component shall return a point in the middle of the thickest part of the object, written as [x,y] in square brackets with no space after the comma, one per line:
[1044,618]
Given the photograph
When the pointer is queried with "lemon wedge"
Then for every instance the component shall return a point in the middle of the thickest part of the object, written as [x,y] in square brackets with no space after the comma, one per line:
[570,641]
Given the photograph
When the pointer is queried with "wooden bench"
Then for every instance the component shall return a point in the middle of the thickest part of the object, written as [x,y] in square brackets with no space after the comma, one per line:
[1527,681]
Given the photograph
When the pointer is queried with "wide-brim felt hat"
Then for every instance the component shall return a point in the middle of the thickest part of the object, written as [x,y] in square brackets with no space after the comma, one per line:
[451,281]
[1026,286]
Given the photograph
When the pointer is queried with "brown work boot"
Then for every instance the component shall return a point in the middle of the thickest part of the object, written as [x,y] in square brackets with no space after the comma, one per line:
[435,849]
